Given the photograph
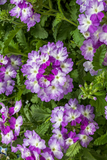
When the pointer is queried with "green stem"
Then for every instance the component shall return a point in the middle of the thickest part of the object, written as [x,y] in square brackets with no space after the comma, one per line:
[80,61]
[59,6]
[27,124]
[17,54]
[46,6]
[8,98]
[75,44]
[45,13]
[69,21]
[48,119]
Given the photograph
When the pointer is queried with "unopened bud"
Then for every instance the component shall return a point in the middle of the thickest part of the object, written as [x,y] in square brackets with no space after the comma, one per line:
[95,98]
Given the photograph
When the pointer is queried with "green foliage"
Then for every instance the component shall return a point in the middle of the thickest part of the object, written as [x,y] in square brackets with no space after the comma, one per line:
[88,155]
[43,128]
[39,32]
[57,20]
[22,40]
[35,99]
[99,104]
[74,74]
[77,37]
[19,140]
[73,149]
[40,114]
[10,36]
[63,31]
[99,57]
[101,140]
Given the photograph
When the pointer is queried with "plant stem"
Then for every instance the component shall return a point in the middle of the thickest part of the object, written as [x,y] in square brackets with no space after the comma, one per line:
[69,21]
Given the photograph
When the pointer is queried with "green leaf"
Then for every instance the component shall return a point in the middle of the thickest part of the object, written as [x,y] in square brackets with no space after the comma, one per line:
[77,37]
[27,113]
[57,20]
[101,140]
[39,32]
[22,40]
[43,20]
[18,141]
[100,104]
[74,10]
[64,30]
[34,99]
[74,74]
[88,155]
[73,149]
[42,129]
[53,104]
[39,114]
[10,36]
[97,156]
[39,44]
[99,57]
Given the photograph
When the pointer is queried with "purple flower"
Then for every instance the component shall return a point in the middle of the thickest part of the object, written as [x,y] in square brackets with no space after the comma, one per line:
[7,138]
[55,148]
[87,112]
[12,122]
[19,122]
[16,11]
[58,135]
[16,1]
[72,104]
[57,118]
[71,139]
[44,72]
[106,112]
[31,21]
[2,2]
[88,50]
[47,156]
[15,61]
[43,96]
[85,23]
[33,86]
[33,57]
[59,79]
[72,116]
[89,67]
[68,85]
[9,73]
[95,7]
[13,110]
[36,141]
[66,66]
[89,129]
[85,140]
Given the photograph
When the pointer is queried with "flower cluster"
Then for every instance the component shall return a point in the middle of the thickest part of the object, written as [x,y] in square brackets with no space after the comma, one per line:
[25,11]
[47,71]
[72,123]
[8,68]
[90,26]
[10,126]
[34,148]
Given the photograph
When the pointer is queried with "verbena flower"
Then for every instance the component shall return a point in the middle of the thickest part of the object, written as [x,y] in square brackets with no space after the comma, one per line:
[72,123]
[8,123]
[26,13]
[47,71]
[8,68]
